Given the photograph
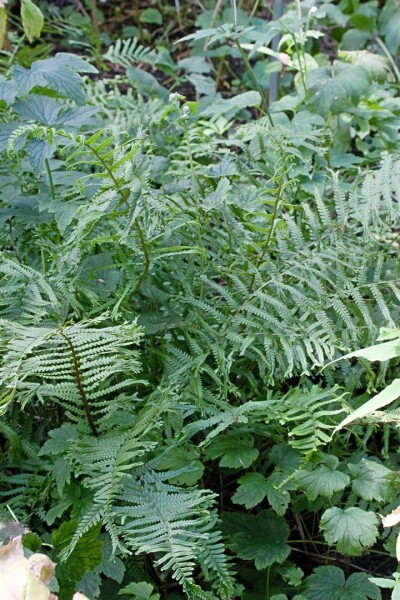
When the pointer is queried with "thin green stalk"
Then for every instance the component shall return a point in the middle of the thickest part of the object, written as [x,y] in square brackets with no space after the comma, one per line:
[389,57]
[250,71]
[267,583]
[146,255]
[191,161]
[52,191]
[269,234]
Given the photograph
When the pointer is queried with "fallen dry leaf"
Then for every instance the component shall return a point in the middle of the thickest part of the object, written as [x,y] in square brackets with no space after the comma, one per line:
[391,519]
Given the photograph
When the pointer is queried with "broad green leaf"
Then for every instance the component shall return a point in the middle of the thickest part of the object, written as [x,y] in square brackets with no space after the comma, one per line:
[32,19]
[261,537]
[39,151]
[333,89]
[151,16]
[278,494]
[111,566]
[329,583]
[181,458]
[201,83]
[8,90]
[235,448]
[230,107]
[253,488]
[31,541]
[60,73]
[38,108]
[352,529]
[139,591]
[64,212]
[87,554]
[375,64]
[322,481]
[388,395]
[389,24]
[146,83]
[371,480]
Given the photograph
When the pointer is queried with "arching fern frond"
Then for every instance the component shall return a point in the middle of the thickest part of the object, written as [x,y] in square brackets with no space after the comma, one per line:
[81,367]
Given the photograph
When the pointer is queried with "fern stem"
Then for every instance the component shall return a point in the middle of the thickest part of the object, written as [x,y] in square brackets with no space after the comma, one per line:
[79,384]
[103,162]
[146,255]
[269,235]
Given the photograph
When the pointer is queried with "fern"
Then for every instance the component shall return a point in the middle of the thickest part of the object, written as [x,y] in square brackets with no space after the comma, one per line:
[129,52]
[77,366]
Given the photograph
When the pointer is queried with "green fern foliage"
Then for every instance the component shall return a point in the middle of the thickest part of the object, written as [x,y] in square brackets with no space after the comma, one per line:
[77,366]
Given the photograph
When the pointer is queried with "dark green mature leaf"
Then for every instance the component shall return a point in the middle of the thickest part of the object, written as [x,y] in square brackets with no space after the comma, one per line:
[87,554]
[322,481]
[329,583]
[335,88]
[139,591]
[182,457]
[352,529]
[253,487]
[236,449]
[371,480]
[261,537]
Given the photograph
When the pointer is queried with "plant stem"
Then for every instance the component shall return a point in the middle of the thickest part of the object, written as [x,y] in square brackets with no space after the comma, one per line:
[52,191]
[249,68]
[389,57]
[146,255]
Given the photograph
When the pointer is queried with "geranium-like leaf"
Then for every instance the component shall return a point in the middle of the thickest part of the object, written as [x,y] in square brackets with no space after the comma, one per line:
[352,529]
[262,537]
[87,554]
[329,583]
[372,481]
[253,488]
[334,88]
[322,481]
[236,449]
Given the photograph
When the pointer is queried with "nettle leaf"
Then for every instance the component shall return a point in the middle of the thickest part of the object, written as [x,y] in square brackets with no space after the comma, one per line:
[329,583]
[262,537]
[322,481]
[64,212]
[38,108]
[8,90]
[60,73]
[236,449]
[352,529]
[371,480]
[253,487]
[32,19]
[38,152]
[333,89]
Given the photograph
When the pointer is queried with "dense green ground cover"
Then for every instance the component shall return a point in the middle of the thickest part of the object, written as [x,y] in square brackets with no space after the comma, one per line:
[183,260]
